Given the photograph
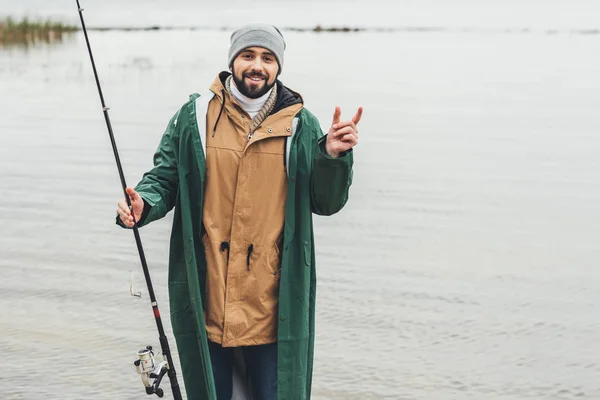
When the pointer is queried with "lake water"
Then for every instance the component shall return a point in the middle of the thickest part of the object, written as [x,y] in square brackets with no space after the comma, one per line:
[465,265]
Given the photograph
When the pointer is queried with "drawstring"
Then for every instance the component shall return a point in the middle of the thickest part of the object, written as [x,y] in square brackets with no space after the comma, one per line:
[225,246]
[250,248]
[220,112]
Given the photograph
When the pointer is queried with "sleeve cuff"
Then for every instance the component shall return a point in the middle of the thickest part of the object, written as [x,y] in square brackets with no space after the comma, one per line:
[321,145]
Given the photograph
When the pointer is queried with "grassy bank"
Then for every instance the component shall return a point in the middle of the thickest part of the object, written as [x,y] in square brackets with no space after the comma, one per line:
[26,32]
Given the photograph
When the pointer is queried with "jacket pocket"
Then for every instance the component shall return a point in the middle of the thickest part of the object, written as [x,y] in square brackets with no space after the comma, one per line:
[216,280]
[275,260]
[180,308]
[267,275]
[307,252]
[216,253]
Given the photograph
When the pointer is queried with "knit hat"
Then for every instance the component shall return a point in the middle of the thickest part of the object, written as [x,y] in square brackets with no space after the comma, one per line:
[257,35]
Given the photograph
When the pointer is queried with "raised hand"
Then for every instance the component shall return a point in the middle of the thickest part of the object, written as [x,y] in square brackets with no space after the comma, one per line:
[342,136]
[137,203]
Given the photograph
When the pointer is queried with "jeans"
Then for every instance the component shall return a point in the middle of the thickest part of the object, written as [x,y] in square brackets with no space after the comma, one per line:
[261,366]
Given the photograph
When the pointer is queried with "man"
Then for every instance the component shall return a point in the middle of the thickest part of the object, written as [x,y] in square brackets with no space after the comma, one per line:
[244,166]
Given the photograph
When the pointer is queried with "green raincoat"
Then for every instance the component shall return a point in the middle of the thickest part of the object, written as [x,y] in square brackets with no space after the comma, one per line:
[316,184]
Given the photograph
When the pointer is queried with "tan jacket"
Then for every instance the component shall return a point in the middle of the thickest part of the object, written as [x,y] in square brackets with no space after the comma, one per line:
[243,216]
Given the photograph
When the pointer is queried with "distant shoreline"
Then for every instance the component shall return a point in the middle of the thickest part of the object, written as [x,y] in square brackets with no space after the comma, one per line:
[317,28]
[27,31]
[346,29]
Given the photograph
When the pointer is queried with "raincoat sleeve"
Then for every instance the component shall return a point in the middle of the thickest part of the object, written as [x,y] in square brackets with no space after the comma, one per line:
[158,187]
[330,177]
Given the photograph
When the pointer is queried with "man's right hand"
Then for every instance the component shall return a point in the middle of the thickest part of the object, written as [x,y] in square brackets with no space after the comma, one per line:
[137,203]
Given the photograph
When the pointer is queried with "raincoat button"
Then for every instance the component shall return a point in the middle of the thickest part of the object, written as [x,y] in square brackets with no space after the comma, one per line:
[243,116]
[289,129]
[293,179]
[270,130]
[282,318]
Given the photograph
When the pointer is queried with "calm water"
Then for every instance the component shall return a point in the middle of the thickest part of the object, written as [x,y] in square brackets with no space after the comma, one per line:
[465,265]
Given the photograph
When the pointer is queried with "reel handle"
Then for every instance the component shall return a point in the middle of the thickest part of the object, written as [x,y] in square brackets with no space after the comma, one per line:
[158,391]
[157,379]
[150,372]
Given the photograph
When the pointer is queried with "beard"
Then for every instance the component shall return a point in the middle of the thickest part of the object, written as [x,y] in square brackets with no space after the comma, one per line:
[253,92]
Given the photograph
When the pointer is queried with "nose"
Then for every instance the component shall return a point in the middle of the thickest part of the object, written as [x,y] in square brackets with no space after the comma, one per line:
[257,64]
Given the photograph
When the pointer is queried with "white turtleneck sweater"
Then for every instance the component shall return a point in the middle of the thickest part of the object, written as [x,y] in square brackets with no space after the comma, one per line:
[251,106]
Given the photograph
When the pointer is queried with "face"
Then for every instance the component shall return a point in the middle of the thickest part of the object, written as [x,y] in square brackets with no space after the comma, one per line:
[255,71]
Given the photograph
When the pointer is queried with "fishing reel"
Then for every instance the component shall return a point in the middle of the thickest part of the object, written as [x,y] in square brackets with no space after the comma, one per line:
[150,372]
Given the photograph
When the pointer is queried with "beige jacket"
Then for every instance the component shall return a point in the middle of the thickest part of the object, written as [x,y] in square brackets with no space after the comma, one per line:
[243,216]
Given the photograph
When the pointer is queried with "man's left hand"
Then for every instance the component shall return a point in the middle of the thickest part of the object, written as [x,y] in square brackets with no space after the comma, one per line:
[342,136]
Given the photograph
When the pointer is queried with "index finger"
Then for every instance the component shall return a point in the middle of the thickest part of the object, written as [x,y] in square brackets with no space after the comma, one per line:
[341,125]
[358,115]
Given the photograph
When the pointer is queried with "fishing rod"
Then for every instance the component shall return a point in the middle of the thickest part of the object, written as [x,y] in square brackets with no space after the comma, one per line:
[151,373]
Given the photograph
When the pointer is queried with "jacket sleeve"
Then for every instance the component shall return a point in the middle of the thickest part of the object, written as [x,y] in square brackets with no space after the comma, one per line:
[330,177]
[158,187]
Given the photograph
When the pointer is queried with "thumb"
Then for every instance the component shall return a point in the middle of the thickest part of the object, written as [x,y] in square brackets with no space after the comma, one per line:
[336,115]
[133,195]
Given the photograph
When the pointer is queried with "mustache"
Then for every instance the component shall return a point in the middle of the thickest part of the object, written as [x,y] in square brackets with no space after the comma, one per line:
[255,75]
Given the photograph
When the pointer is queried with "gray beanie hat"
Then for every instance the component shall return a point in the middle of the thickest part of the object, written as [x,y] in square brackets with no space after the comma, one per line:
[257,35]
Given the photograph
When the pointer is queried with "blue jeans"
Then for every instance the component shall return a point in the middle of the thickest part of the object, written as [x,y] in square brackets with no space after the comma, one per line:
[261,365]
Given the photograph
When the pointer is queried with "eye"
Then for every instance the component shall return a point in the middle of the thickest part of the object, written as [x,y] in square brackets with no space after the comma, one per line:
[269,59]
[247,56]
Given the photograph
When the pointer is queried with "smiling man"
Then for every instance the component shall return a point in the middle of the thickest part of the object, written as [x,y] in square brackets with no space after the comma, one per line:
[245,166]
[252,82]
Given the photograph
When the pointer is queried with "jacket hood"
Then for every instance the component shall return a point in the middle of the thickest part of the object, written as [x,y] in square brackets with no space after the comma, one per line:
[285,96]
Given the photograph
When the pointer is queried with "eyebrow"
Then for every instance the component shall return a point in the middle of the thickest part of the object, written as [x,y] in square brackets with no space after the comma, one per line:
[266,53]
